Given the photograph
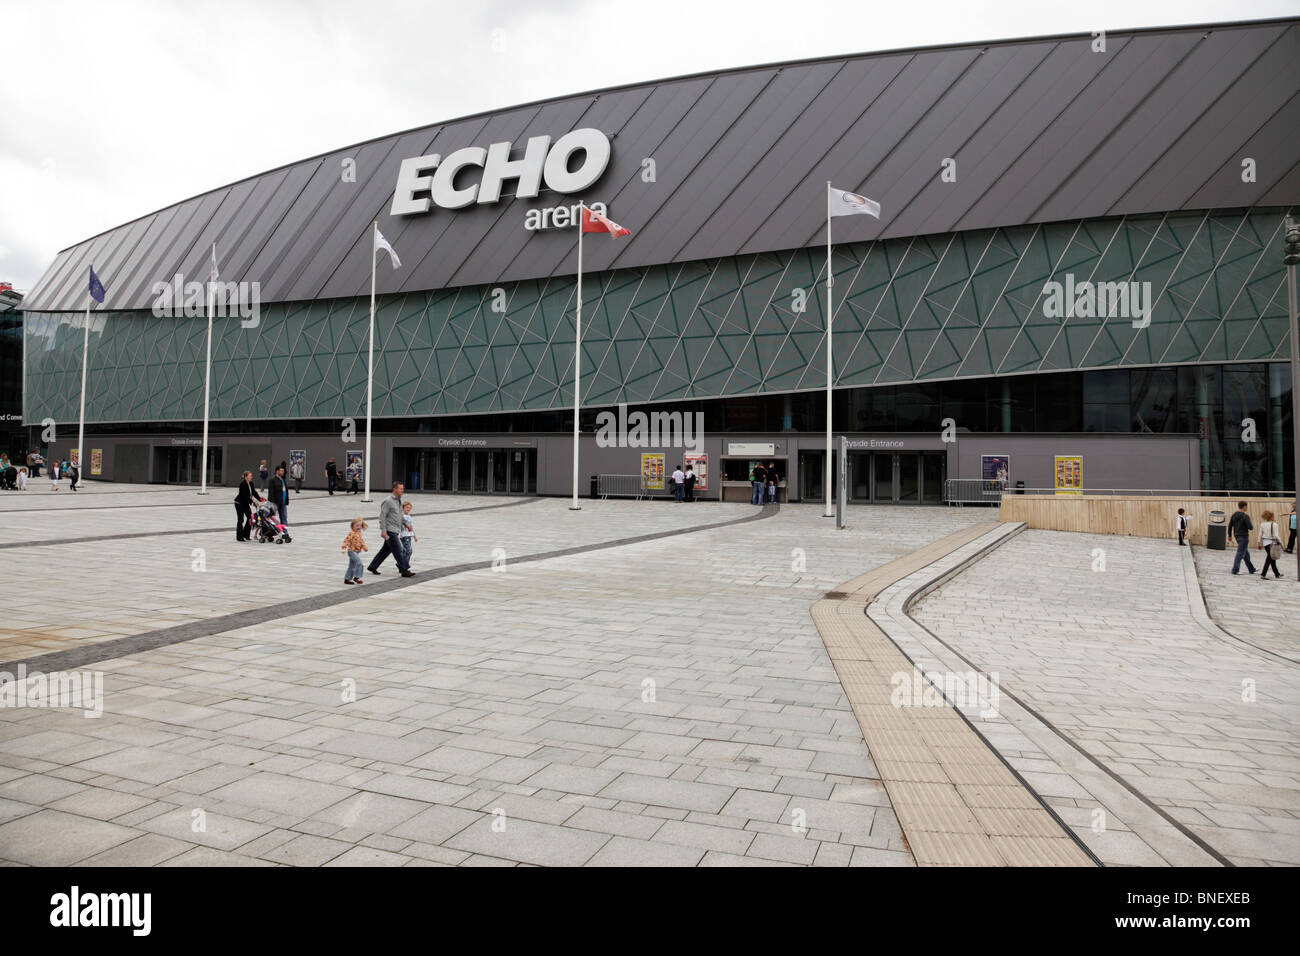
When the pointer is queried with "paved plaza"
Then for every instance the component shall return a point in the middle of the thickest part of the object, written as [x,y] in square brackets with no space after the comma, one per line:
[635,683]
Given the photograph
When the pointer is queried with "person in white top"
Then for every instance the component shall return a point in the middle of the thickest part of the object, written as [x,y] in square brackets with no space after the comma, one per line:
[54,475]
[679,482]
[1181,525]
[1270,539]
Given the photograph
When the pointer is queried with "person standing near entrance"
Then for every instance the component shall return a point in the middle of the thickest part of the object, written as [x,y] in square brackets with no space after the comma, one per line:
[758,478]
[1182,525]
[1270,539]
[244,508]
[390,529]
[295,470]
[1290,542]
[690,483]
[279,493]
[331,476]
[679,484]
[773,481]
[1240,527]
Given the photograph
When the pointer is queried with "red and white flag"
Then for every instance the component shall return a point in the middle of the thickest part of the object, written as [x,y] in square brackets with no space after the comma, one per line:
[595,222]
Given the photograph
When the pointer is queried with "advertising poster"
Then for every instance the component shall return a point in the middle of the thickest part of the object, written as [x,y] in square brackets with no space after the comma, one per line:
[1069,474]
[652,472]
[298,455]
[355,468]
[700,464]
[995,468]
[96,461]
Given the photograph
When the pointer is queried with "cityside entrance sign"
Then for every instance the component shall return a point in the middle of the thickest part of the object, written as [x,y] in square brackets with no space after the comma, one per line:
[452,187]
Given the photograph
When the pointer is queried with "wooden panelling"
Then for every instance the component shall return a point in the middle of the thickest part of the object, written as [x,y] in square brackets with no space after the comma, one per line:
[1138,515]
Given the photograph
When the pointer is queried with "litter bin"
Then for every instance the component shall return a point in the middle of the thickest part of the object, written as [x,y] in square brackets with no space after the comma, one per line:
[594,485]
[1217,534]
[1020,487]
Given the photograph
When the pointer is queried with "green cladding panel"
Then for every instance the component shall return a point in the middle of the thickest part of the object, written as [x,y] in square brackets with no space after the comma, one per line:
[951,306]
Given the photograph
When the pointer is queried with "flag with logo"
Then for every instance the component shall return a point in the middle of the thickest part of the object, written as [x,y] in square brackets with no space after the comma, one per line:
[843,203]
[96,287]
[382,243]
[213,275]
[595,222]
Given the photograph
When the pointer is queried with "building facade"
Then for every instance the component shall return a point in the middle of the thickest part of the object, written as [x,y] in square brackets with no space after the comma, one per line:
[1079,252]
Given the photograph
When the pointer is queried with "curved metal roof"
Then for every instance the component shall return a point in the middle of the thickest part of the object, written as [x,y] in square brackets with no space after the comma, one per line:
[1041,130]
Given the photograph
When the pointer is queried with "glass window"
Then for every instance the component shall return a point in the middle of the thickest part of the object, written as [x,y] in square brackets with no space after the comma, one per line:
[1154,400]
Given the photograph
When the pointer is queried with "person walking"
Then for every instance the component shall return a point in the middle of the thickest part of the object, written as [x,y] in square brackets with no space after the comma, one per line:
[758,479]
[244,501]
[354,544]
[390,529]
[1182,525]
[1240,528]
[331,476]
[1270,539]
[1290,542]
[279,494]
[679,484]
[54,475]
[295,471]
[74,471]
[690,483]
[407,538]
[261,474]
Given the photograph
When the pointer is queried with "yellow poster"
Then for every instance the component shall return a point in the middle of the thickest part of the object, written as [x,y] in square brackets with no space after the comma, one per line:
[652,472]
[96,461]
[1069,474]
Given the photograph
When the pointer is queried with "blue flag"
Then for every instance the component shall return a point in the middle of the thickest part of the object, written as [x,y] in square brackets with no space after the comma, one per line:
[96,287]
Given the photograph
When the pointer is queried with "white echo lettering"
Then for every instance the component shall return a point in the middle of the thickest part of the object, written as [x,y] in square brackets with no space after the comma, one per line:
[417,191]
[444,190]
[527,171]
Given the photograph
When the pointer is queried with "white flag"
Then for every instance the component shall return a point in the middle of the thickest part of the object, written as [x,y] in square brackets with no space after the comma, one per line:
[213,276]
[382,243]
[848,204]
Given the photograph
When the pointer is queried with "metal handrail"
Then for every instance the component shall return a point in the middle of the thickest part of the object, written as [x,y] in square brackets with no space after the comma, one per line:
[1166,492]
[620,486]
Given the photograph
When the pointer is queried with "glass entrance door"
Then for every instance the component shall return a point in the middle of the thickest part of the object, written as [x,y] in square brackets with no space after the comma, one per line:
[908,486]
[934,469]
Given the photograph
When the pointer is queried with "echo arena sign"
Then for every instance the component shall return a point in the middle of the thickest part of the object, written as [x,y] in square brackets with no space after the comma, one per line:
[572,163]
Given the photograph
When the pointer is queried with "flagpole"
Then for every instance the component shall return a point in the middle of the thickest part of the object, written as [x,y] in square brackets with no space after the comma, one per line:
[577,362]
[830,312]
[370,359]
[207,386]
[85,348]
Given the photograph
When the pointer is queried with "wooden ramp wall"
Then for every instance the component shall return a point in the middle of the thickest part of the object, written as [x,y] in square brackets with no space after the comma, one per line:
[1138,515]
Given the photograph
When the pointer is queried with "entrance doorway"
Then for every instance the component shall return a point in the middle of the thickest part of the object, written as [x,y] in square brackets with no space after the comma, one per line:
[897,478]
[180,466]
[491,471]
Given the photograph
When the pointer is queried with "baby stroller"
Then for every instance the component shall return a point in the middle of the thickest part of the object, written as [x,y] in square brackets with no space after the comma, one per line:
[268,525]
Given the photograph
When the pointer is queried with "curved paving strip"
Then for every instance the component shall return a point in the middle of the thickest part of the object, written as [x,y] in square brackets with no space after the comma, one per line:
[956,799]
[1128,714]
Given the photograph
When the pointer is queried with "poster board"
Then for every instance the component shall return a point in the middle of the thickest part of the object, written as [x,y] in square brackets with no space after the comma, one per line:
[700,465]
[652,472]
[355,468]
[297,455]
[96,461]
[1069,474]
[995,468]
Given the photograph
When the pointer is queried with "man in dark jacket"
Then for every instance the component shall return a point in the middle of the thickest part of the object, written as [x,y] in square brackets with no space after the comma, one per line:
[279,492]
[1240,527]
[244,501]
[331,475]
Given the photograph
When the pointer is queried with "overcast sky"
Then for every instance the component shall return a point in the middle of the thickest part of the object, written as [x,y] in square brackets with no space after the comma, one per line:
[112,110]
